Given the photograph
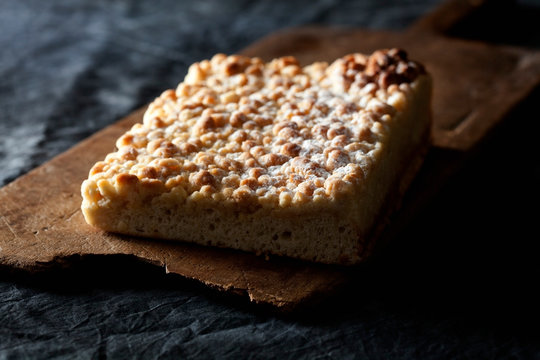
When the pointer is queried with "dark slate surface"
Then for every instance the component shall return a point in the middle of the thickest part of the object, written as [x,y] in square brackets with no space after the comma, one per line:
[459,283]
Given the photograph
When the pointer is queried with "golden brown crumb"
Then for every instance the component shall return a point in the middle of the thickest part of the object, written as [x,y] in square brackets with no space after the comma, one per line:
[268,157]
[275,128]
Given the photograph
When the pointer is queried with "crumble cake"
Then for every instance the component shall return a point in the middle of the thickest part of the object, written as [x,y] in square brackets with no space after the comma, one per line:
[271,158]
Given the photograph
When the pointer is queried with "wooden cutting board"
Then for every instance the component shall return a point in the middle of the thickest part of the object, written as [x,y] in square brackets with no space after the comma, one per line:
[476,84]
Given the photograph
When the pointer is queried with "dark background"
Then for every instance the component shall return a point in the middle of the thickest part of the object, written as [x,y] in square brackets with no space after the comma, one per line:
[459,282]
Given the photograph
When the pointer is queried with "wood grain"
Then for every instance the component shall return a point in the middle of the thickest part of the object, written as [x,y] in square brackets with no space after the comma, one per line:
[476,84]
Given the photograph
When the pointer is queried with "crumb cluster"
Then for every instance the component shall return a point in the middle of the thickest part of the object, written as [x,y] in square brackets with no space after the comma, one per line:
[238,129]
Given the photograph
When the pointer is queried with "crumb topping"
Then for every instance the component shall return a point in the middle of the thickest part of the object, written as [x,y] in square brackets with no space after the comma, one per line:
[238,129]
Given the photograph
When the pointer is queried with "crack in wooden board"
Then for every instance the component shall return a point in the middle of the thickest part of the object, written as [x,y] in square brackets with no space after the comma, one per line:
[41,226]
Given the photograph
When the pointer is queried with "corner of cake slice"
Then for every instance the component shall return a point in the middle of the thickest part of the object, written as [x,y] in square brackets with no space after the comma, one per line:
[270,158]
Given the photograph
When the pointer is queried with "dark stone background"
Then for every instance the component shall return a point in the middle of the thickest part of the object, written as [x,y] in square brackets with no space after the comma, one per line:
[460,282]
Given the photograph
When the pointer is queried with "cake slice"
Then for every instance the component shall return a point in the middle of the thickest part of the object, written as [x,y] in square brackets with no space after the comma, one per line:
[270,158]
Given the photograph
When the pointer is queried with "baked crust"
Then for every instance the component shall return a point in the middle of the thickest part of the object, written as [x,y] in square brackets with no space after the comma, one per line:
[268,157]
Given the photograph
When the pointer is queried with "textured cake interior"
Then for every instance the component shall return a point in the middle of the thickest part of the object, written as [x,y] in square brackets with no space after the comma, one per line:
[268,157]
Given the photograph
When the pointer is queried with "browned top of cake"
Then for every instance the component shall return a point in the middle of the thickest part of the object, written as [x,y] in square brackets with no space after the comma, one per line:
[238,129]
